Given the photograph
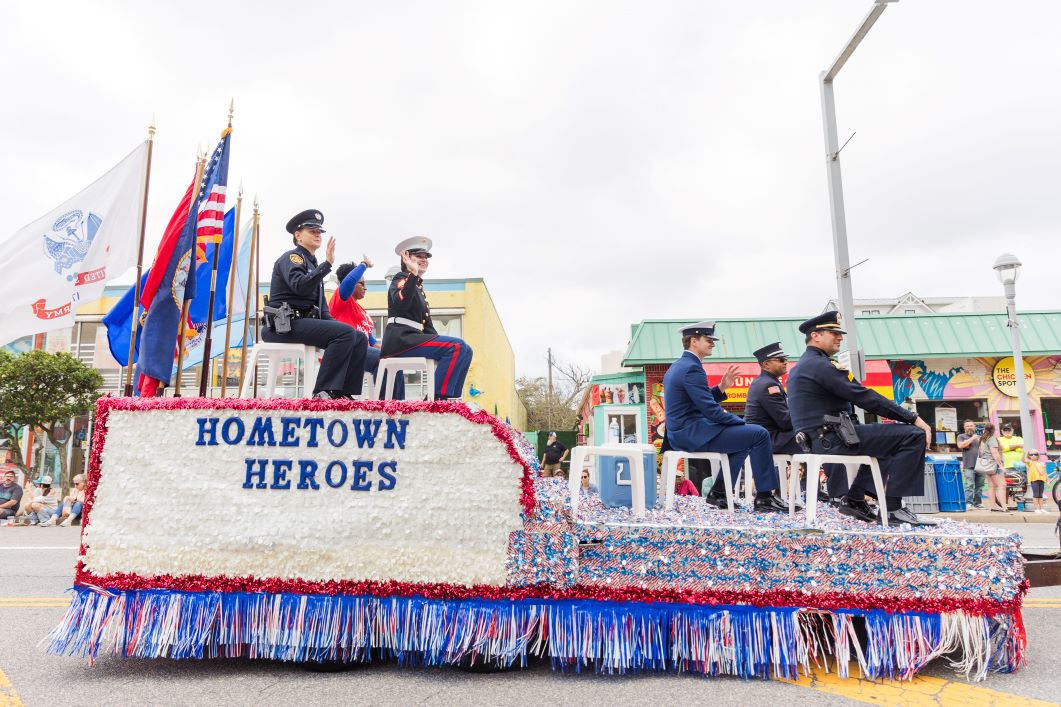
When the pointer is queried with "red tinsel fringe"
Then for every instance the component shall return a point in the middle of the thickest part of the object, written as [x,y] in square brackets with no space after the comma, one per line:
[778,598]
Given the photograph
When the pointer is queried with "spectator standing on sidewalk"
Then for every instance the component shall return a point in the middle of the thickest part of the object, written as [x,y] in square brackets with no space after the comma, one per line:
[1036,478]
[989,462]
[555,454]
[1012,447]
[969,443]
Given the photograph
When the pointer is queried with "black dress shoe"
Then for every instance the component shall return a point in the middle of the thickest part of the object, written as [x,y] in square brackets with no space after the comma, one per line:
[770,504]
[860,510]
[718,500]
[323,395]
[904,515]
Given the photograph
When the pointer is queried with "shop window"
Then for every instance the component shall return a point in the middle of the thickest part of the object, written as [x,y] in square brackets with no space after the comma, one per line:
[1051,409]
[948,414]
[625,423]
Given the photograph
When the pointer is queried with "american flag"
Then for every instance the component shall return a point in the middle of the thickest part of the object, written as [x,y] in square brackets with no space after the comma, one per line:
[211,217]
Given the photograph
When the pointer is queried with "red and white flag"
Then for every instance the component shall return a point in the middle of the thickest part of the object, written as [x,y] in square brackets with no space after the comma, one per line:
[65,257]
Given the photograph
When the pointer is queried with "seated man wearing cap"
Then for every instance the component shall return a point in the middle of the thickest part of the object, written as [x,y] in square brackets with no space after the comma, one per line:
[298,280]
[767,406]
[819,387]
[410,332]
[696,422]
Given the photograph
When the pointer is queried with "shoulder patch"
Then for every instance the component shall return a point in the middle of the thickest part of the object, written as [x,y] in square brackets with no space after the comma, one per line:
[296,258]
[774,390]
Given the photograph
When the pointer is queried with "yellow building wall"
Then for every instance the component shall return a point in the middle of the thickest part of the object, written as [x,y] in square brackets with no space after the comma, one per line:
[493,369]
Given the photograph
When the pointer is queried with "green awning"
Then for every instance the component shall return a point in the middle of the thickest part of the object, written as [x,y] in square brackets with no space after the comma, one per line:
[657,341]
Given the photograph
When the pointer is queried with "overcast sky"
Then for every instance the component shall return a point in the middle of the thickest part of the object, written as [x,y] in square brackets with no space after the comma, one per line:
[597,163]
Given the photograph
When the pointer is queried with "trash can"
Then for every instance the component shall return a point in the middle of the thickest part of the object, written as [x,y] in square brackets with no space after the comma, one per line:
[929,503]
[615,482]
[950,486]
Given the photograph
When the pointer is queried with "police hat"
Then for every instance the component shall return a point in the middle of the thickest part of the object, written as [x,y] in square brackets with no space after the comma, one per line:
[705,328]
[829,321]
[416,244]
[773,350]
[310,218]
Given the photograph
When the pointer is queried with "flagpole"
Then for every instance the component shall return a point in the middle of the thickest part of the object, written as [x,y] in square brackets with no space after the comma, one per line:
[231,286]
[251,287]
[193,213]
[257,277]
[139,264]
[207,367]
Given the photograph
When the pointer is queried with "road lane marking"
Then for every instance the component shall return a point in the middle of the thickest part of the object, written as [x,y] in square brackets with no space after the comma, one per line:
[921,690]
[39,547]
[8,696]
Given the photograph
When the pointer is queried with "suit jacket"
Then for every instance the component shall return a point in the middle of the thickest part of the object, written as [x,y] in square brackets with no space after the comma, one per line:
[768,406]
[693,414]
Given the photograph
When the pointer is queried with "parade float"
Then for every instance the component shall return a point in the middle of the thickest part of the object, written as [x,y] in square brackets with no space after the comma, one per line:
[327,531]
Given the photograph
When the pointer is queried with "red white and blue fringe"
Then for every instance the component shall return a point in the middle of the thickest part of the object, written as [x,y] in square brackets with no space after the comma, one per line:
[746,641]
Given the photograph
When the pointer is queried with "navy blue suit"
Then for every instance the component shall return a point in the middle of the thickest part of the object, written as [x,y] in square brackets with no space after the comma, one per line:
[696,422]
[816,388]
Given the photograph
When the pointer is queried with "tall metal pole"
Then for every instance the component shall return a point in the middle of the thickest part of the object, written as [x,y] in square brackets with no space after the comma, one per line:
[549,407]
[231,287]
[139,264]
[836,189]
[1026,430]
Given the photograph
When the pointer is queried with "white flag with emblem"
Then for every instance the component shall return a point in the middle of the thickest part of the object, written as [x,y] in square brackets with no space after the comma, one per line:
[65,257]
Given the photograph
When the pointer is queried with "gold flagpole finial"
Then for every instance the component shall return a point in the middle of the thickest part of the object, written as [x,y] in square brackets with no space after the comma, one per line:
[240,195]
[151,128]
[255,202]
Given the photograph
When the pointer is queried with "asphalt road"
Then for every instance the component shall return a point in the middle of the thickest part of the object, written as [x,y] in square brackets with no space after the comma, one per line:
[38,562]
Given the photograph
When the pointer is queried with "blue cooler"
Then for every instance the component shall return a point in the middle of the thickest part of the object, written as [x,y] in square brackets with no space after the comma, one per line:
[614,480]
[950,485]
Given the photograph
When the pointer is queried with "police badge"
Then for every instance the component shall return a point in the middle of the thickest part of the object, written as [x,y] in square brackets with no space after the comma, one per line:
[70,240]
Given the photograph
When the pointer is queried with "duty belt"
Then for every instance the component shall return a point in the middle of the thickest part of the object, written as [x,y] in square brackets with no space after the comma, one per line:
[405,322]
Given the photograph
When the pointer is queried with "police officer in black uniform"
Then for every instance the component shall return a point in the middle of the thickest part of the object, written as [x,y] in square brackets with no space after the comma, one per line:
[298,280]
[818,387]
[767,406]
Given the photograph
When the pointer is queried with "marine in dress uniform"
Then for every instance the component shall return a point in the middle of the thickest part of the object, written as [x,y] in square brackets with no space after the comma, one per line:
[298,280]
[818,387]
[410,332]
[696,422]
[767,405]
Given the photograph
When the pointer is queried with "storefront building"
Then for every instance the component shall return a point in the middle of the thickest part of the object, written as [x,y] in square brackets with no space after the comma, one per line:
[614,409]
[953,367]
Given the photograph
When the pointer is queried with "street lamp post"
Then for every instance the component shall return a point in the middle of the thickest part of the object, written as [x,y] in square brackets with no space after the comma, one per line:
[836,189]
[1007,267]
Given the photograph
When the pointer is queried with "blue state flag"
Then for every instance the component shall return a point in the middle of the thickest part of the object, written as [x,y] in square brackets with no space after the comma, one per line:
[119,323]
[158,343]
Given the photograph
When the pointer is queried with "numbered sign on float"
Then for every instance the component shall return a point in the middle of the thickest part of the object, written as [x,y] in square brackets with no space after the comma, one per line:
[616,481]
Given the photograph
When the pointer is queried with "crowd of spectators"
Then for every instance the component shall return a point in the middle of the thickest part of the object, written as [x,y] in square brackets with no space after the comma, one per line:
[40,503]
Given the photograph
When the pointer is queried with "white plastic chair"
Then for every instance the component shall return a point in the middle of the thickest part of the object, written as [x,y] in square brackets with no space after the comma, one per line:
[413,364]
[670,473]
[368,387]
[783,464]
[274,352]
[633,453]
[814,463]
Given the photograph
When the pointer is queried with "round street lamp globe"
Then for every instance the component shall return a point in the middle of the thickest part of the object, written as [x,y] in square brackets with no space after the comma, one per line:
[1007,266]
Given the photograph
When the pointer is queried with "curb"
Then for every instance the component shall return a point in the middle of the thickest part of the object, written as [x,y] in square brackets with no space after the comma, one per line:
[991,518]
